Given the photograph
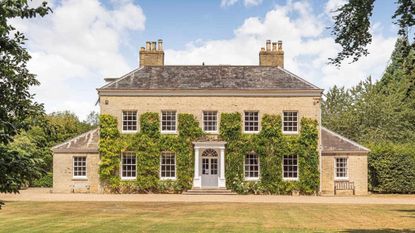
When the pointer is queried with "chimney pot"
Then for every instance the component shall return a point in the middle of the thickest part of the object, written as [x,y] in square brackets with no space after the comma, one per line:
[160,45]
[279,45]
[274,57]
[151,55]
[274,46]
[268,45]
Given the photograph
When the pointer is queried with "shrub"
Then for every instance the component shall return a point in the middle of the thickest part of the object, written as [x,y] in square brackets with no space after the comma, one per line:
[392,168]
[45,181]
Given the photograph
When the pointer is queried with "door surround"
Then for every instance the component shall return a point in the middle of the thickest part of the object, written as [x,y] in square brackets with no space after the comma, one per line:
[200,147]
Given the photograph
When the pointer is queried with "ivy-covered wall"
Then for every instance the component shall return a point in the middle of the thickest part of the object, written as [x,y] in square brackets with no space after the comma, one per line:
[270,144]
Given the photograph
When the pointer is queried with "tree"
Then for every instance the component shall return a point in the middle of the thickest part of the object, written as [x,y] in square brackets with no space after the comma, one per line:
[92,119]
[16,102]
[352,24]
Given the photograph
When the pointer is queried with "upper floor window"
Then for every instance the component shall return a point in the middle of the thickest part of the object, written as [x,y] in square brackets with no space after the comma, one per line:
[210,121]
[128,165]
[79,167]
[168,165]
[251,121]
[290,122]
[290,167]
[251,166]
[168,121]
[129,121]
[341,168]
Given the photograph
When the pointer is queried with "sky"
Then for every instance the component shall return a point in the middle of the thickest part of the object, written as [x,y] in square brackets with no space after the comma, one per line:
[84,41]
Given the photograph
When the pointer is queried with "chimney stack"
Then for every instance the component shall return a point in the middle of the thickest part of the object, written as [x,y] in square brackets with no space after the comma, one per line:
[274,57]
[152,54]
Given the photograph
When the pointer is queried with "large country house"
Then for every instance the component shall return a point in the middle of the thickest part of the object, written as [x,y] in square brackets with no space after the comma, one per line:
[181,128]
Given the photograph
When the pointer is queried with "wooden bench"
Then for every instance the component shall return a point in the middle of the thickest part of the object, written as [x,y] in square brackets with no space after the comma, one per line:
[80,188]
[343,185]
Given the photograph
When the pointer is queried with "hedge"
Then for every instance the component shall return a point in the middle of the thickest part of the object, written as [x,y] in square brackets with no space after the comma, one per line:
[392,168]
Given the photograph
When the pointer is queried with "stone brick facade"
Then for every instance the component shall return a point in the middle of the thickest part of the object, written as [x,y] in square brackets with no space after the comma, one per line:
[63,181]
[306,106]
[357,173]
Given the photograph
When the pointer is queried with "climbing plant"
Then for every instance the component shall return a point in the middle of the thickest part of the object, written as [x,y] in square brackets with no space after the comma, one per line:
[270,144]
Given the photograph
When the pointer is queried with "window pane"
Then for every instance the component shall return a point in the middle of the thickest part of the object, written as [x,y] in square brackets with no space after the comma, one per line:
[129,121]
[290,166]
[79,166]
[210,121]
[341,167]
[290,121]
[168,121]
[168,165]
[251,122]
[251,165]
[128,165]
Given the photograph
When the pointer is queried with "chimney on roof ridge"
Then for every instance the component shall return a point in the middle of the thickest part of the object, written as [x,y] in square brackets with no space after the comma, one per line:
[152,54]
[274,57]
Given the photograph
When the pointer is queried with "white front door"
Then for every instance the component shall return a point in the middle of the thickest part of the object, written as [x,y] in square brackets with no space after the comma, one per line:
[210,172]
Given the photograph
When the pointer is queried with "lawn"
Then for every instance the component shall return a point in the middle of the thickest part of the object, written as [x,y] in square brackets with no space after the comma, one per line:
[203,217]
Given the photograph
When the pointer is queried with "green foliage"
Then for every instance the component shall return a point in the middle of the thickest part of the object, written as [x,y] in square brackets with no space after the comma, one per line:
[351,29]
[352,24]
[16,101]
[392,168]
[17,168]
[381,115]
[45,181]
[271,145]
[148,145]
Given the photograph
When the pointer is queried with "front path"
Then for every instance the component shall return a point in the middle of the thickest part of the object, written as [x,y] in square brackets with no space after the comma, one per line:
[41,194]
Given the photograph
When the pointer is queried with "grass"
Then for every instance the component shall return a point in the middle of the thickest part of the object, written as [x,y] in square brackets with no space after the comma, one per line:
[203,217]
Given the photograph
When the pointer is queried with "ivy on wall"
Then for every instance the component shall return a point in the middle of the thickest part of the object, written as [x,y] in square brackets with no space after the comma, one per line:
[148,145]
[270,144]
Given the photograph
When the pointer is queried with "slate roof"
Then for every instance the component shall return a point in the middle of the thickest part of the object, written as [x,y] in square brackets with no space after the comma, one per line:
[335,143]
[210,77]
[331,142]
[84,143]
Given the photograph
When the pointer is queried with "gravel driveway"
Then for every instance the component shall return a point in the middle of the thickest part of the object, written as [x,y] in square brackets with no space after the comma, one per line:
[44,194]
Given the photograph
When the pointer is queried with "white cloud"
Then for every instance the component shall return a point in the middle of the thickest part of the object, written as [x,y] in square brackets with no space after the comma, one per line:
[306,44]
[332,6]
[74,48]
[247,3]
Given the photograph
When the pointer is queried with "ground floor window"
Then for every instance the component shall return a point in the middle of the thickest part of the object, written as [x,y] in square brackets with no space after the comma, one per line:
[79,167]
[168,165]
[290,167]
[341,168]
[251,166]
[128,165]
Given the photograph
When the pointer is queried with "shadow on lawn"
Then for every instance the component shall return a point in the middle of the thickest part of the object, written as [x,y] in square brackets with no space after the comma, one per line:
[410,213]
[378,231]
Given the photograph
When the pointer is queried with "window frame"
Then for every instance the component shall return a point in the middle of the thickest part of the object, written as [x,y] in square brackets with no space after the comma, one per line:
[161,123]
[298,123]
[128,153]
[244,122]
[136,121]
[259,168]
[85,177]
[161,165]
[347,168]
[216,125]
[298,170]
